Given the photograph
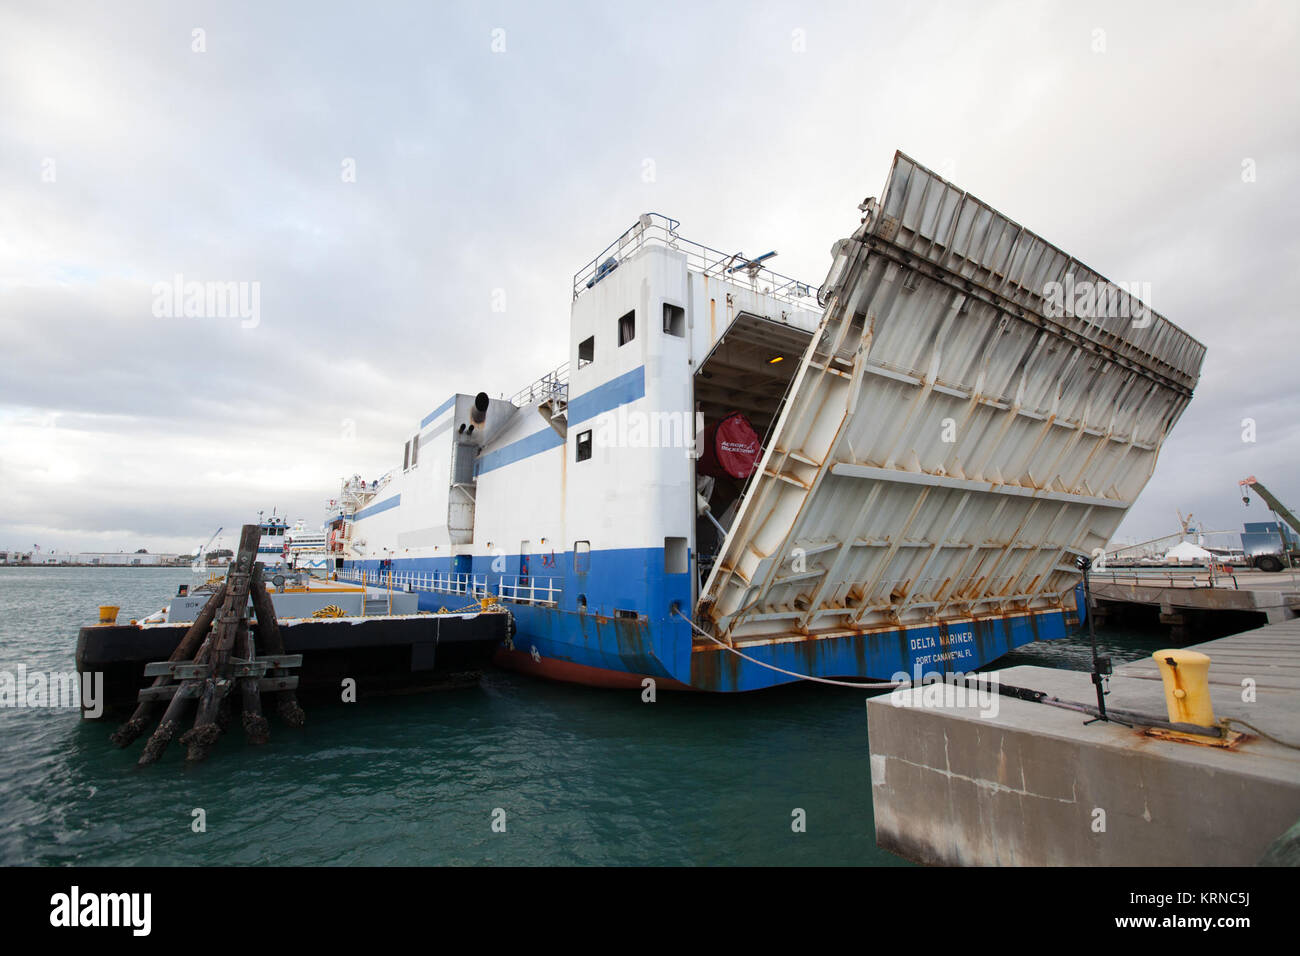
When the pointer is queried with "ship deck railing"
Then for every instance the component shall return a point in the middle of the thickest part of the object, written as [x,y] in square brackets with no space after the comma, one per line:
[354,495]
[654,228]
[519,588]
[553,386]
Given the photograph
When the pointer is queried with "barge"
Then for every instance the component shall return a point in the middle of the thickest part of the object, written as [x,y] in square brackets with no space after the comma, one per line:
[376,637]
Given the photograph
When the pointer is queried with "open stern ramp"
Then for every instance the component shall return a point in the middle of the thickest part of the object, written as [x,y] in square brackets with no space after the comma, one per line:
[952,439]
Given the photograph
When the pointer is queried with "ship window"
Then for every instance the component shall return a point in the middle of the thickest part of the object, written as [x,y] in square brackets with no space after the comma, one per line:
[584,445]
[406,457]
[587,351]
[674,320]
[675,556]
[415,450]
[581,557]
[627,328]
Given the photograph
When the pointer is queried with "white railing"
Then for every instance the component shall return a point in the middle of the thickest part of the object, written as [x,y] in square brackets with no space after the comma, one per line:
[529,589]
[552,385]
[522,589]
[356,493]
[653,228]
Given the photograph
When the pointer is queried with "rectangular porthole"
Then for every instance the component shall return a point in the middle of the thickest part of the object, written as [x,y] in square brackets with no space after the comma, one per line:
[676,557]
[627,328]
[584,445]
[587,351]
[674,320]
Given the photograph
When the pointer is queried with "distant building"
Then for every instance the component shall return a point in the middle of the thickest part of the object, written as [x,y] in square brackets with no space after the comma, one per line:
[93,558]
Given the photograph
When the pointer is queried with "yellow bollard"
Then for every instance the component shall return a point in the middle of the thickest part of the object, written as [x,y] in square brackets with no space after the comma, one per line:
[1186,676]
[108,614]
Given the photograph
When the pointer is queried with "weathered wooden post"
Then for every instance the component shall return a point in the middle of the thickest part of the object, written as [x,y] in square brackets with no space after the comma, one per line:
[256,727]
[215,652]
[186,650]
[232,620]
[226,660]
[166,729]
[273,643]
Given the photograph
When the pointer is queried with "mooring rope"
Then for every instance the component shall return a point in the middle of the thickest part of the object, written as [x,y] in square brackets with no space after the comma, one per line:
[1226,721]
[780,670]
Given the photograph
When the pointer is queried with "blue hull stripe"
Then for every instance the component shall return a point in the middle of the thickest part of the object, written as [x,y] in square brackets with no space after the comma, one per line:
[657,643]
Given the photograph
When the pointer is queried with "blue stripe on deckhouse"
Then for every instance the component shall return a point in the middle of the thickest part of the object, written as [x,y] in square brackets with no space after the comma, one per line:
[626,388]
[384,505]
[438,411]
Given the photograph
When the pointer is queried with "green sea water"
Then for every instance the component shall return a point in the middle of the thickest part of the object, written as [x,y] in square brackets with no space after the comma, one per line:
[579,776]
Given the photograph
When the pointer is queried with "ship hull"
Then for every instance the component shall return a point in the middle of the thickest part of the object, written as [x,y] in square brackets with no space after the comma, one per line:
[600,651]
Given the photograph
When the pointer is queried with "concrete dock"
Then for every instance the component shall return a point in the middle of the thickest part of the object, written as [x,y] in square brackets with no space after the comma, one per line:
[1185,598]
[1035,785]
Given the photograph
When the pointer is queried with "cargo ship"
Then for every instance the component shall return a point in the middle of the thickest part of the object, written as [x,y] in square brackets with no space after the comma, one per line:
[738,479]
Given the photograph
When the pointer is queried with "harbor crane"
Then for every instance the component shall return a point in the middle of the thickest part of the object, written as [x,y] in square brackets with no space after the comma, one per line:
[1272,561]
[199,565]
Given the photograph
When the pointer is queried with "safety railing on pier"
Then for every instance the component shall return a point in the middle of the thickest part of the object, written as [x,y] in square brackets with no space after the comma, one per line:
[522,589]
[1216,576]
[652,228]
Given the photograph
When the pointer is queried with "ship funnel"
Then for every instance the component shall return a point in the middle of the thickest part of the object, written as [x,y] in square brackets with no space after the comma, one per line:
[478,413]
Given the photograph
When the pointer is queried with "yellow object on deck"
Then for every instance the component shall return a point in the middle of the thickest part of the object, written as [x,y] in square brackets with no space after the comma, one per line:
[1186,676]
[108,614]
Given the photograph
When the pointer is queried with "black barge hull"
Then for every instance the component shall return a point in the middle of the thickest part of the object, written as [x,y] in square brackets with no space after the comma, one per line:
[382,654]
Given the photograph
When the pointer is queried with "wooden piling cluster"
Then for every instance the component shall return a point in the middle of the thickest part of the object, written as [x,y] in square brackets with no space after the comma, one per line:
[217,663]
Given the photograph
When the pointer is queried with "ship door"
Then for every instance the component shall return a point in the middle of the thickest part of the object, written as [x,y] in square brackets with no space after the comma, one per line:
[523,563]
[740,388]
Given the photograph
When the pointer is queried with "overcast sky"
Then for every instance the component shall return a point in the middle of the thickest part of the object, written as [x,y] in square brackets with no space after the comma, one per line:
[382,170]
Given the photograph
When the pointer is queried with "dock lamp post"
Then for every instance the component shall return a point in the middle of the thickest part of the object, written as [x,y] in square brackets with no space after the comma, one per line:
[1100,665]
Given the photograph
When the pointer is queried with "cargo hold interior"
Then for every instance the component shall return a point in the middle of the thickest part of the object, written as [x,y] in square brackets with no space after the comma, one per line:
[748,371]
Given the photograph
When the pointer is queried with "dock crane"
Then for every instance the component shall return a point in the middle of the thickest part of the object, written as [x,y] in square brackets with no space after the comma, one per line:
[1271,562]
[198,566]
